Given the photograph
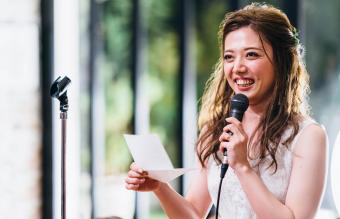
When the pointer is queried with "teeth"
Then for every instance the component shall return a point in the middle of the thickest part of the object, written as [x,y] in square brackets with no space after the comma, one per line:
[244,82]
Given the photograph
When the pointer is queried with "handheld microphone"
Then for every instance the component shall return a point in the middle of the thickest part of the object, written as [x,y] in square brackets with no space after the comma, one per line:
[238,105]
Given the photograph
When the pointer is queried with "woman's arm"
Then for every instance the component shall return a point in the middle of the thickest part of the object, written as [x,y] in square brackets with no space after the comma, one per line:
[196,203]
[308,175]
[306,182]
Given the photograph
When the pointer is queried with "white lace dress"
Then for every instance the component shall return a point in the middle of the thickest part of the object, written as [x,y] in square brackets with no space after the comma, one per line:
[233,201]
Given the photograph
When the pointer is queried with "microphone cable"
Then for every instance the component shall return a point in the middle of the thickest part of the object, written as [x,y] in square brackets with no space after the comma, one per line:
[224,169]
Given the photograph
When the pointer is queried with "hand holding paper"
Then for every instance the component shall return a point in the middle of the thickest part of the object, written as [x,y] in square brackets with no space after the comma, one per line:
[149,154]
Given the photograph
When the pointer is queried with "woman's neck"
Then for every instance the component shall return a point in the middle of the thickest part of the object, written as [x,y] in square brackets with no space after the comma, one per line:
[254,113]
[252,118]
[256,110]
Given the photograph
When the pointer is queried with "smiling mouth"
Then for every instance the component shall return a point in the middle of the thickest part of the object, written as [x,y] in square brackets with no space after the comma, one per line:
[244,82]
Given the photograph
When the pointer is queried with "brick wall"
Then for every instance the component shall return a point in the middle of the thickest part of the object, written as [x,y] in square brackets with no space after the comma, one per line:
[20,125]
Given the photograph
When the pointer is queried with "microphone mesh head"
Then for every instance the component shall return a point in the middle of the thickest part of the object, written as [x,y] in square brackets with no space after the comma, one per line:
[239,102]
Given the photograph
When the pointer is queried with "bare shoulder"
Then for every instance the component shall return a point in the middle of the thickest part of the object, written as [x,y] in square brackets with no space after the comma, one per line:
[312,137]
[314,130]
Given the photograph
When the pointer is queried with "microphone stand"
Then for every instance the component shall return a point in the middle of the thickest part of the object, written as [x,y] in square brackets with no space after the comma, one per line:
[59,91]
[63,118]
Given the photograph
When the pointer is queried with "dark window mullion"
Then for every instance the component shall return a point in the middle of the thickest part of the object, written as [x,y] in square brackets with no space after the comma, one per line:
[233,5]
[94,40]
[138,62]
[290,7]
[46,73]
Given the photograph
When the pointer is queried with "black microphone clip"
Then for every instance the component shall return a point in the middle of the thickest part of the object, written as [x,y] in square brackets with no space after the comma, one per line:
[59,91]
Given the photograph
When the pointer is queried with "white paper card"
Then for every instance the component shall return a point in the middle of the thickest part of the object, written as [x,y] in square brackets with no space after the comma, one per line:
[149,154]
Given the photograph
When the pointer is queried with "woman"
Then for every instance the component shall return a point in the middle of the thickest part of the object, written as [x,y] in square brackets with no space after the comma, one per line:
[277,154]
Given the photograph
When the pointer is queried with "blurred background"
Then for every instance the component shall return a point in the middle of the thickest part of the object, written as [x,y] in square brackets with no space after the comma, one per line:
[137,66]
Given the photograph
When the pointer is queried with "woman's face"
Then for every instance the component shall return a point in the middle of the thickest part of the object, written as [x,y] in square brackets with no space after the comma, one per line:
[247,67]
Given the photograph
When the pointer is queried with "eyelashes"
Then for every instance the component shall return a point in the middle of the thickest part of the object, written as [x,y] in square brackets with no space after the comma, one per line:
[227,57]
[252,54]
[248,55]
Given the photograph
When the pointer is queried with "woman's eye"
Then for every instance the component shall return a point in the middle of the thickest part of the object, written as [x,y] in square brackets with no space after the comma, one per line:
[252,54]
[227,57]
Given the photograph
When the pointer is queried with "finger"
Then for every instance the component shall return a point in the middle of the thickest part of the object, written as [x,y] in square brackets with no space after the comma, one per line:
[131,186]
[238,133]
[225,136]
[136,168]
[231,130]
[135,181]
[233,120]
[223,146]
[236,123]
[237,139]
[231,155]
[134,174]
[227,130]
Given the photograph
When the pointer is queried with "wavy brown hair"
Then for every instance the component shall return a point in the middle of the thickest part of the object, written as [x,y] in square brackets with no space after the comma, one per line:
[288,103]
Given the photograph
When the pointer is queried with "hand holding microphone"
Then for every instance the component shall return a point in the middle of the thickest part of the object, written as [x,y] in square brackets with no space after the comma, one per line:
[234,139]
[234,143]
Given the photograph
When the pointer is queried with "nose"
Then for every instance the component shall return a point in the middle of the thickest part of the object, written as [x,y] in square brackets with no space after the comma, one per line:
[239,66]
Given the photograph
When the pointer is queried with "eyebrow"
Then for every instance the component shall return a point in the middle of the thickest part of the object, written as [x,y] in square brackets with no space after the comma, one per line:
[247,48]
